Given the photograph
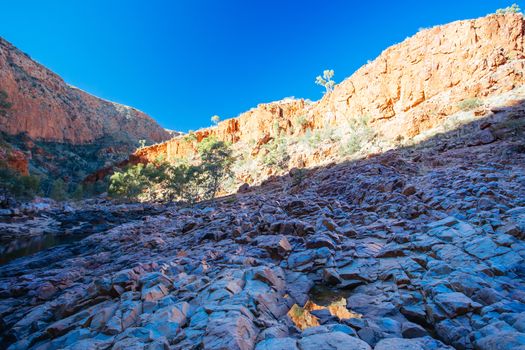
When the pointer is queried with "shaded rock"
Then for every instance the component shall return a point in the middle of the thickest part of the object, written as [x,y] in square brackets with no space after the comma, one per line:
[332,341]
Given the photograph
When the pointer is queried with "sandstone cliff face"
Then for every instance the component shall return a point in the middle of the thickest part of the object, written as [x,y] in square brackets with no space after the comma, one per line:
[46,108]
[411,87]
[414,85]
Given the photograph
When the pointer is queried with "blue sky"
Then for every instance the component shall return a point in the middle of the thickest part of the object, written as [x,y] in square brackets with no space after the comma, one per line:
[183,61]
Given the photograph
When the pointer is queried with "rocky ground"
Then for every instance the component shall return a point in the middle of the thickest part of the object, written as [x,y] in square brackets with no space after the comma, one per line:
[425,243]
[29,227]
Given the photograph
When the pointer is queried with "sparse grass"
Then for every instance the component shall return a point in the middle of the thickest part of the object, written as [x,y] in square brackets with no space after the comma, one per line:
[360,133]
[470,104]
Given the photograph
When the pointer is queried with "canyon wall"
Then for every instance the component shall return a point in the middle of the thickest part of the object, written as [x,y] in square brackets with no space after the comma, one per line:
[409,88]
[46,108]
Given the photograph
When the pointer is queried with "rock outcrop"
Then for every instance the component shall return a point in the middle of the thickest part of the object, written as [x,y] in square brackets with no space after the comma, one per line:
[424,244]
[45,108]
[411,87]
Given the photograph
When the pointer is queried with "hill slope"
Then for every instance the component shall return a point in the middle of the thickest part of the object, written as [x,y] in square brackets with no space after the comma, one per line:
[39,107]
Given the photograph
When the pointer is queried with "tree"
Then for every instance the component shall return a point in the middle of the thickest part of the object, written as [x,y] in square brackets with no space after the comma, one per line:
[216,161]
[514,8]
[58,190]
[215,119]
[326,80]
[142,143]
[129,183]
[16,185]
[164,181]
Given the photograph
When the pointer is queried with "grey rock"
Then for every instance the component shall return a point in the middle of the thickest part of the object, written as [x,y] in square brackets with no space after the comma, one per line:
[332,341]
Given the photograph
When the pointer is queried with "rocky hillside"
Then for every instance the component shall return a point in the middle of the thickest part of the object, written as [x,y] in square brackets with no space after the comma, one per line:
[417,248]
[420,84]
[38,104]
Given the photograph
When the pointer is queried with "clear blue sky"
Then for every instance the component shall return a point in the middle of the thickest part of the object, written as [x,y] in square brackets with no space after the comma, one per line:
[183,61]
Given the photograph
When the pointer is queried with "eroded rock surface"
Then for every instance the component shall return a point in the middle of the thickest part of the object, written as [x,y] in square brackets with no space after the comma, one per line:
[426,242]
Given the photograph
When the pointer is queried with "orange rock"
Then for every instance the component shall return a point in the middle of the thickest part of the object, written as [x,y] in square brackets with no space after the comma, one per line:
[46,108]
[15,160]
[411,87]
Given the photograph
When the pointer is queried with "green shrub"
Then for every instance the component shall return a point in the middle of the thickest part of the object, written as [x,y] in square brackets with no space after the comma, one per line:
[276,153]
[360,134]
[301,120]
[19,186]
[469,104]
[4,104]
[191,183]
[514,8]
[58,190]
[129,183]
[216,161]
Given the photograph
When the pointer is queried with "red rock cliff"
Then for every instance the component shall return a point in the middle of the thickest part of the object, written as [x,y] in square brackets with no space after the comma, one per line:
[46,108]
[409,88]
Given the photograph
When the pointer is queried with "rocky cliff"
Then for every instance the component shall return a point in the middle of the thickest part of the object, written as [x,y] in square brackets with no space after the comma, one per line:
[410,88]
[46,108]
[53,125]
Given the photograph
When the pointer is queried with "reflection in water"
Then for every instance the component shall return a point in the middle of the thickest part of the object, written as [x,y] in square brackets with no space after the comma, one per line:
[37,244]
[321,297]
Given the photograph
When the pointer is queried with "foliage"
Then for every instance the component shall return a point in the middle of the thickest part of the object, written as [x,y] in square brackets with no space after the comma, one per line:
[132,181]
[78,192]
[58,190]
[326,80]
[359,134]
[469,104]
[514,8]
[276,152]
[142,143]
[216,161]
[190,136]
[189,182]
[215,119]
[4,104]
[18,186]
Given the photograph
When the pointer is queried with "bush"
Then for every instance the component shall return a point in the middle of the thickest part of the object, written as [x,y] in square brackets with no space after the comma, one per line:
[190,137]
[19,186]
[276,153]
[301,120]
[191,183]
[469,104]
[514,8]
[58,190]
[4,104]
[360,133]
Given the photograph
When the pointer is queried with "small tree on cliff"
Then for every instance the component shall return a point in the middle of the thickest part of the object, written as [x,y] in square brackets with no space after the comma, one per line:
[514,8]
[215,119]
[326,80]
